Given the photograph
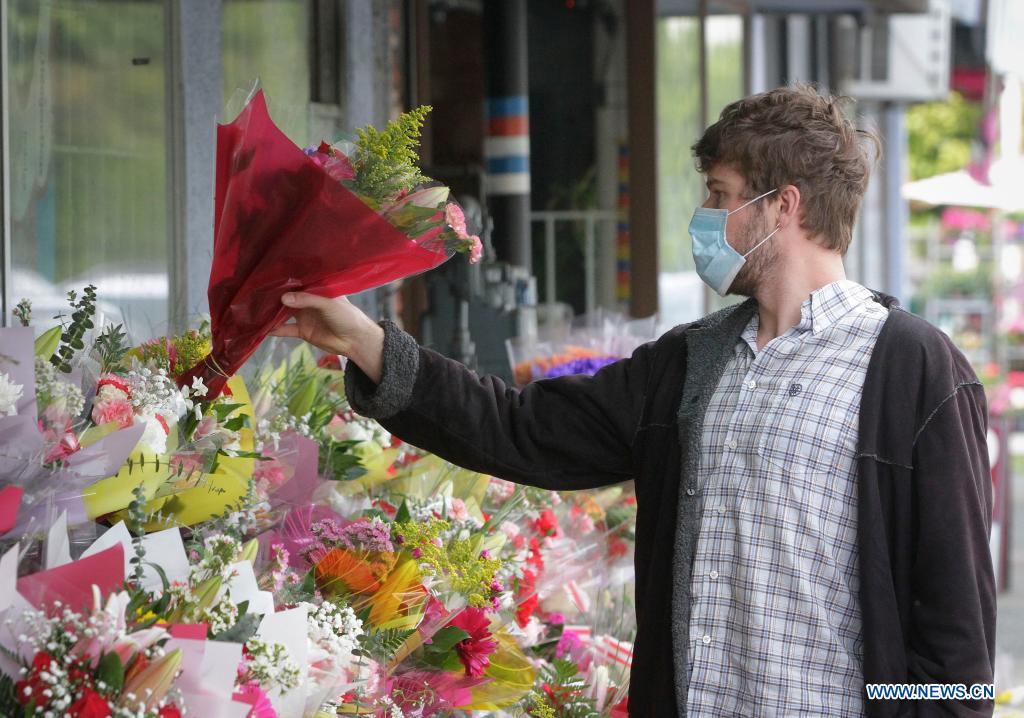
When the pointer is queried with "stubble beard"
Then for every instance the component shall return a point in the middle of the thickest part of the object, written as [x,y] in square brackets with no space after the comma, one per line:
[758,265]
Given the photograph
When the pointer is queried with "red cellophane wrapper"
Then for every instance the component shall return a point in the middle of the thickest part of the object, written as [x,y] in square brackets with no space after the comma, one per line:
[282,224]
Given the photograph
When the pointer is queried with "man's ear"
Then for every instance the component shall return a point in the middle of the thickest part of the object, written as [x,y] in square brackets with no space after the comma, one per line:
[789,206]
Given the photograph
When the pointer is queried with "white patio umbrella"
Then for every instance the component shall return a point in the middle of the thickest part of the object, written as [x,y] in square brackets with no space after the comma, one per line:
[960,189]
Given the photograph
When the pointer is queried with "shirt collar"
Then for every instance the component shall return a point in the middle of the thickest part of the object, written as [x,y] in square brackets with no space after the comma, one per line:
[827,305]
[822,308]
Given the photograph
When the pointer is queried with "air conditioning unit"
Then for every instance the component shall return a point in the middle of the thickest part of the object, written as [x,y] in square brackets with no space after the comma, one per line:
[896,57]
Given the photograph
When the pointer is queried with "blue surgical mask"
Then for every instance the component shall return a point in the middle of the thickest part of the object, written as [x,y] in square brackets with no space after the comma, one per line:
[717,262]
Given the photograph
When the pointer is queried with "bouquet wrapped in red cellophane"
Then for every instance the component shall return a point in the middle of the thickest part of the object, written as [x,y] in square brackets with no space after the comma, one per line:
[330,220]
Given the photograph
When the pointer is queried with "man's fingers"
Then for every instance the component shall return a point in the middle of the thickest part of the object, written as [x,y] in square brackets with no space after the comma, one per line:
[285,330]
[302,300]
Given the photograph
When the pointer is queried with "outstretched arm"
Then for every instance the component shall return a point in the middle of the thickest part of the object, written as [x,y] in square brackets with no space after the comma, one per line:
[566,433]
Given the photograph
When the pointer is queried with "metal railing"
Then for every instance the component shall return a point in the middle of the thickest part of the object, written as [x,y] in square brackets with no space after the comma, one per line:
[590,219]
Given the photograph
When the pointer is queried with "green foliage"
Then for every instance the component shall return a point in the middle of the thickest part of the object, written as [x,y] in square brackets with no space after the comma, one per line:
[242,631]
[440,652]
[385,162]
[621,519]
[137,518]
[309,393]
[567,687]
[81,320]
[23,312]
[337,461]
[9,705]
[111,347]
[940,135]
[382,646]
[111,671]
[187,350]
[47,342]
[947,282]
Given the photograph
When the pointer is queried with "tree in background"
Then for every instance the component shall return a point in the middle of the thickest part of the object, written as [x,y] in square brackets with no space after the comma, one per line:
[941,136]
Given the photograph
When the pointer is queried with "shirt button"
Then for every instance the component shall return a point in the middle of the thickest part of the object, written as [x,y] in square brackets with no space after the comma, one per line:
[690,492]
[706,639]
[751,384]
[731,444]
[713,574]
[721,509]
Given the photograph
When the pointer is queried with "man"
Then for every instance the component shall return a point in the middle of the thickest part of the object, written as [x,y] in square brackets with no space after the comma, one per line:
[811,471]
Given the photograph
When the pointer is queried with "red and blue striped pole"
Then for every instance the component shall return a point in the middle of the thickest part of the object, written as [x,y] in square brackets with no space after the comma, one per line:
[507,140]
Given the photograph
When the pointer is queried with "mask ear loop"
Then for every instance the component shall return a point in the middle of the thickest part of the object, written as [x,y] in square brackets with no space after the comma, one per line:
[760,196]
[763,241]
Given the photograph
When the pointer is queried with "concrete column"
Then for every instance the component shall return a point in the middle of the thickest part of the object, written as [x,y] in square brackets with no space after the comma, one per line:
[612,127]
[365,87]
[195,101]
[896,211]
[869,240]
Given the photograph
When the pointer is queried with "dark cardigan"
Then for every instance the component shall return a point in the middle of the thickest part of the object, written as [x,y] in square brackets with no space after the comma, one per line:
[927,587]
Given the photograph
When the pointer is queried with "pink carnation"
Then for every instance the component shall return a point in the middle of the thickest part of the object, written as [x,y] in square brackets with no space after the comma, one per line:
[269,476]
[476,251]
[111,386]
[118,411]
[455,219]
[457,511]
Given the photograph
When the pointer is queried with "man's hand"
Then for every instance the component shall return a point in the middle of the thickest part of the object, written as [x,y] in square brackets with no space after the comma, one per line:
[338,327]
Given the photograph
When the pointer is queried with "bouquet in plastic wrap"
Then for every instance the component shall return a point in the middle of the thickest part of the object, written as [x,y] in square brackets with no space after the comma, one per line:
[584,347]
[331,220]
[90,424]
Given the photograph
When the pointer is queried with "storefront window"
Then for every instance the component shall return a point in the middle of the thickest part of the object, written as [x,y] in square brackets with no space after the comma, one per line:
[680,186]
[87,108]
[269,41]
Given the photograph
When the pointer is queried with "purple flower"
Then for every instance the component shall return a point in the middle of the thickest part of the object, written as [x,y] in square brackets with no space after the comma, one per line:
[359,534]
[587,365]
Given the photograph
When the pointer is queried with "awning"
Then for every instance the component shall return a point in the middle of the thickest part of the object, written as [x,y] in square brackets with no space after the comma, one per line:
[960,189]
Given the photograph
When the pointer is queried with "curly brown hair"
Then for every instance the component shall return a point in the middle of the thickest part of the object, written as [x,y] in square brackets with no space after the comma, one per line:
[797,135]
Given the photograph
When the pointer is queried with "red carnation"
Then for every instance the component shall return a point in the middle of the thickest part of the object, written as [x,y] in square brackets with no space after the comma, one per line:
[90,705]
[329,361]
[617,547]
[473,651]
[169,711]
[535,558]
[546,524]
[526,610]
[30,690]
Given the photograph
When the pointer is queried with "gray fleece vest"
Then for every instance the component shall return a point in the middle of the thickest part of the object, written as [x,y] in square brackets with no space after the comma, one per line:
[709,347]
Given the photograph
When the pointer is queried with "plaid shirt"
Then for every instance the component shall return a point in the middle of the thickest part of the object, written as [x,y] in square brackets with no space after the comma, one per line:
[775,624]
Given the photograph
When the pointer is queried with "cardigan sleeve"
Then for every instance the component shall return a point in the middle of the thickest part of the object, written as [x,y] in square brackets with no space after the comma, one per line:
[568,433]
[953,611]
